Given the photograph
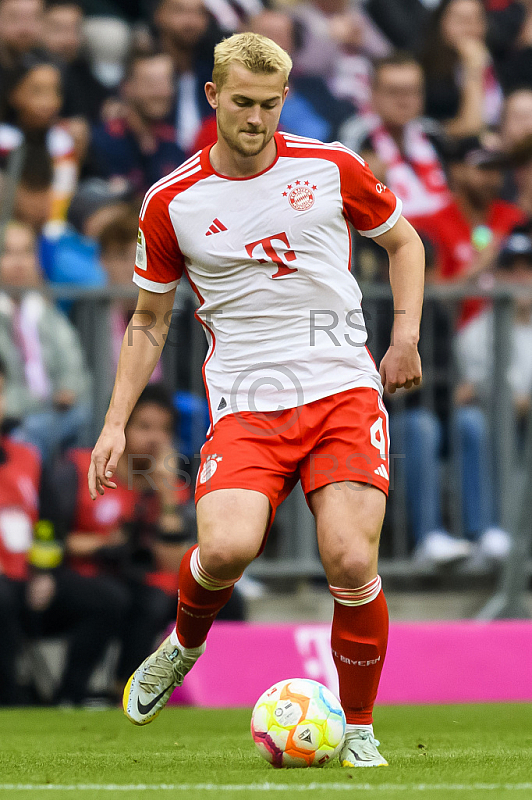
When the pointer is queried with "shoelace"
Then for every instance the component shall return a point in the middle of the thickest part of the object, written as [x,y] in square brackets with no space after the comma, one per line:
[151,682]
[158,670]
[366,736]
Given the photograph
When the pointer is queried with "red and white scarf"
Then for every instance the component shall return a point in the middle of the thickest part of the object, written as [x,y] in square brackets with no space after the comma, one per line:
[415,175]
[26,319]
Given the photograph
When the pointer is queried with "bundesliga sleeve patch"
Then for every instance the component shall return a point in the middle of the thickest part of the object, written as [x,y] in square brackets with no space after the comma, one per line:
[141,261]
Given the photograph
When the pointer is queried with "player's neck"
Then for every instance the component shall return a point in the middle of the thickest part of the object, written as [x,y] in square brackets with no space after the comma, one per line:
[227,161]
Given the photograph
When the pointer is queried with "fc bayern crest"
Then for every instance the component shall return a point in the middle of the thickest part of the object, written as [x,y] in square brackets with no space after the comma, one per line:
[209,468]
[300,195]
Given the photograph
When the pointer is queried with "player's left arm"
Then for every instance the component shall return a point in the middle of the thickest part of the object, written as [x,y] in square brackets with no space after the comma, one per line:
[401,365]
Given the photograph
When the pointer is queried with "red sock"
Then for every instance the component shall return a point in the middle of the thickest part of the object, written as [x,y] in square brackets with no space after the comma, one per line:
[359,638]
[200,599]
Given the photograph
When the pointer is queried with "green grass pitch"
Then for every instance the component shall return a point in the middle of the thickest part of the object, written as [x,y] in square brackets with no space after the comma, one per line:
[477,752]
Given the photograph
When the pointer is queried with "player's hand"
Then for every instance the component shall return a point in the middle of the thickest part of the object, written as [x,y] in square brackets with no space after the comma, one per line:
[400,367]
[104,460]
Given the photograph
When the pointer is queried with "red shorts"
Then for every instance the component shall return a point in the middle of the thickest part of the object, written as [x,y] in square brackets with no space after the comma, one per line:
[343,437]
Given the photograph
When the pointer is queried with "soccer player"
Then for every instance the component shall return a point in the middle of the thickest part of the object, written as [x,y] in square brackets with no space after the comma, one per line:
[259,224]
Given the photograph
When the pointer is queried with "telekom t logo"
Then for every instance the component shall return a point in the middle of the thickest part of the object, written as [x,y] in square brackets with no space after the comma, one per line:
[271,252]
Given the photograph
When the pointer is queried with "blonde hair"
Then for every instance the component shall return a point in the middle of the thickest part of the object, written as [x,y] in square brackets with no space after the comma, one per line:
[253,51]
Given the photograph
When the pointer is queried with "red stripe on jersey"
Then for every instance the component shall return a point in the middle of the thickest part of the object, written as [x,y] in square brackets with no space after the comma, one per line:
[173,179]
[168,178]
[181,168]
[209,355]
[165,261]
[350,256]
[369,354]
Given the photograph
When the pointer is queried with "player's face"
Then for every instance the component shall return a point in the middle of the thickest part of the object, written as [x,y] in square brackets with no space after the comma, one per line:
[248,108]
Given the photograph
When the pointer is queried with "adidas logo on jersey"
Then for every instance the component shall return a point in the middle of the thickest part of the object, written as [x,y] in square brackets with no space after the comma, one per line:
[216,227]
[222,404]
[382,471]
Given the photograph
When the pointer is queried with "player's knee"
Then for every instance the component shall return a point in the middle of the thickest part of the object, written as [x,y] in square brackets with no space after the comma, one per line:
[227,559]
[353,572]
[350,567]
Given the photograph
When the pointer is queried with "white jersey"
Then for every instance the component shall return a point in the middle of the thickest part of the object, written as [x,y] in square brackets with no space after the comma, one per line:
[269,259]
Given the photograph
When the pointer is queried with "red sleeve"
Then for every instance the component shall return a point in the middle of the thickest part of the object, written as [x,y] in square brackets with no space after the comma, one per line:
[159,262]
[368,204]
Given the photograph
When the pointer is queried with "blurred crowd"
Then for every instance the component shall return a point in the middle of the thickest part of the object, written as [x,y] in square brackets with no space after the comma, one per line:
[101,98]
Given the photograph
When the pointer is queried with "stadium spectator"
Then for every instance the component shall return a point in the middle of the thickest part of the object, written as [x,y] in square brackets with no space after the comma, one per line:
[135,538]
[65,256]
[401,147]
[118,246]
[517,117]
[33,101]
[62,37]
[108,44]
[310,108]
[20,473]
[474,342]
[516,127]
[37,598]
[516,65]
[402,21]
[183,26]
[467,235]
[33,193]
[462,89]
[140,146]
[20,29]
[339,40]
[47,382]
[420,435]
[519,160]
[474,354]
[71,255]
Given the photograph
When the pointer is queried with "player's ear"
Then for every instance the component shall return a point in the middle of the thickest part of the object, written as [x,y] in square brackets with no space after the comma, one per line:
[285,92]
[211,94]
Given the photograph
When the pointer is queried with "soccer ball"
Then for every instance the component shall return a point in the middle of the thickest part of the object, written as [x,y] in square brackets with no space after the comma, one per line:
[298,723]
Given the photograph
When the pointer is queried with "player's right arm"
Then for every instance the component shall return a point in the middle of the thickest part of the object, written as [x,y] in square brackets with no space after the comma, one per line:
[141,349]
[158,268]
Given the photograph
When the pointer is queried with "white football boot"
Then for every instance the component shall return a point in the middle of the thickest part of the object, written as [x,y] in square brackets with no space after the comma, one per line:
[149,688]
[360,750]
